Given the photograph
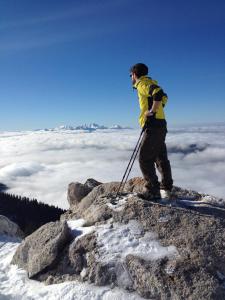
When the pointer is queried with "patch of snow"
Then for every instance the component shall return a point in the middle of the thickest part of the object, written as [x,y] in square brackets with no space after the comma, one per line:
[115,243]
[119,203]
[15,285]
[163,194]
[83,272]
[213,200]
[78,229]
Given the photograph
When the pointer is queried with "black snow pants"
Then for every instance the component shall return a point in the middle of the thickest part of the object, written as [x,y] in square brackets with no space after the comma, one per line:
[153,154]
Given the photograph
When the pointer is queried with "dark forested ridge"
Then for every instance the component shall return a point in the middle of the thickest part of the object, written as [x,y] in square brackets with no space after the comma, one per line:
[3,187]
[29,214]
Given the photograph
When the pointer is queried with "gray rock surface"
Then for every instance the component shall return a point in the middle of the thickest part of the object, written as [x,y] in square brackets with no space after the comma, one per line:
[77,191]
[84,207]
[10,228]
[152,280]
[92,188]
[41,249]
[91,183]
[75,262]
[199,239]
[196,232]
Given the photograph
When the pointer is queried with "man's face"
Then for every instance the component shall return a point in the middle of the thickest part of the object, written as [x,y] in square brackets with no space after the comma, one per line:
[133,78]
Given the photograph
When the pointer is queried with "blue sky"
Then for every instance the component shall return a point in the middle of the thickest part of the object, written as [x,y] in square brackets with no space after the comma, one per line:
[67,62]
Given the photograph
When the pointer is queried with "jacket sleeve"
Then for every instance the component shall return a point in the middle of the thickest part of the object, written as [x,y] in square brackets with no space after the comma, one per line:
[143,103]
[158,94]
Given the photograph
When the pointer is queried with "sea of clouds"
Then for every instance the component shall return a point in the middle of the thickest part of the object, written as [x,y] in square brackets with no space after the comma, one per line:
[41,164]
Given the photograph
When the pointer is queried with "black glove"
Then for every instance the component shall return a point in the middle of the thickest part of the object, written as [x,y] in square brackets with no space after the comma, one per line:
[149,120]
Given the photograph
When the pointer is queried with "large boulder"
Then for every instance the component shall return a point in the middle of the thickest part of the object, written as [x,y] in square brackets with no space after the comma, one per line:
[89,200]
[83,195]
[74,262]
[196,231]
[10,228]
[109,189]
[77,191]
[162,250]
[84,208]
[196,270]
[41,249]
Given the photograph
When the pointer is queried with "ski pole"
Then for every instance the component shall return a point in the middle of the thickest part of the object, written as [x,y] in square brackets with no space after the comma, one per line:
[137,147]
[128,173]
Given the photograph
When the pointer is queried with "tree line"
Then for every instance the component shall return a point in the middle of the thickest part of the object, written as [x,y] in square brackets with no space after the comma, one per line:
[29,214]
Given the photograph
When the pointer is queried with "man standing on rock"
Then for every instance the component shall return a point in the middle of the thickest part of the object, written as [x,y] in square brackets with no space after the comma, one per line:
[153,149]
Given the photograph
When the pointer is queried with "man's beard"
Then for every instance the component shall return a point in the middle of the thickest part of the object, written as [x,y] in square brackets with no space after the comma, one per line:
[133,81]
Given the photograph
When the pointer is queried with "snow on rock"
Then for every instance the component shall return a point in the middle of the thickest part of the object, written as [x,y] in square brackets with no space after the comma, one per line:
[161,250]
[15,284]
[116,241]
[119,203]
[208,199]
[78,229]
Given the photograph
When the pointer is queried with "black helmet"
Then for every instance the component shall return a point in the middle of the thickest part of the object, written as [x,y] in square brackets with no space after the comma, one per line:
[139,69]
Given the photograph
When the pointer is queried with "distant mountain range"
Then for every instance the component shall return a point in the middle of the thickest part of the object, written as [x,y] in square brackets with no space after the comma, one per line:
[88,127]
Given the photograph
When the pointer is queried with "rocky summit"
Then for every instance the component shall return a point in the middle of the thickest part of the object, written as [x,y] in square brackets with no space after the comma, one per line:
[170,249]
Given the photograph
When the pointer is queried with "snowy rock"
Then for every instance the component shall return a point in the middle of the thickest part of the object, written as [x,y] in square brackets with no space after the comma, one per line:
[194,231]
[92,189]
[108,188]
[199,240]
[90,127]
[10,228]
[64,127]
[102,189]
[116,127]
[93,207]
[41,249]
[82,206]
[162,250]
[102,274]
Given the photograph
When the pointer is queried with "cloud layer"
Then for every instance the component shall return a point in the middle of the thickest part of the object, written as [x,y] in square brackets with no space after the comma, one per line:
[42,164]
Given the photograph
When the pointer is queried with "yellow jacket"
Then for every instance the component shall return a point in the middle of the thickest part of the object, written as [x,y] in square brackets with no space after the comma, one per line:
[149,91]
